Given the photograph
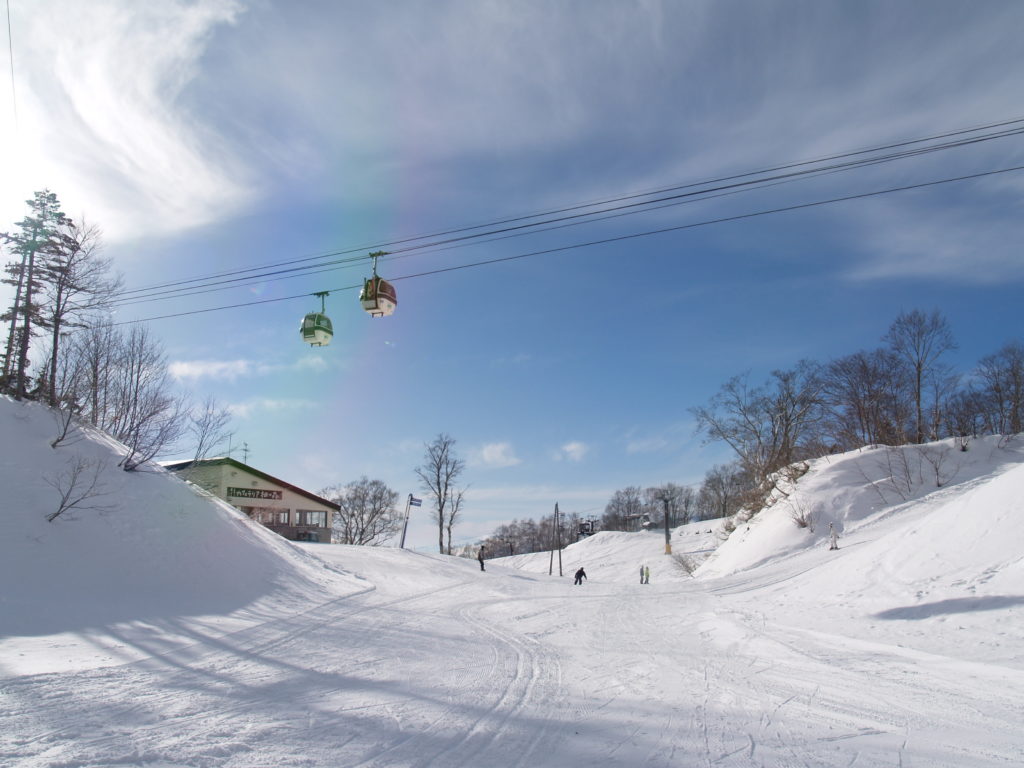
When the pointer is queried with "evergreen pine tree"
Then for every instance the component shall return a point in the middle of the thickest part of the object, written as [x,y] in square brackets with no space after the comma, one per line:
[37,235]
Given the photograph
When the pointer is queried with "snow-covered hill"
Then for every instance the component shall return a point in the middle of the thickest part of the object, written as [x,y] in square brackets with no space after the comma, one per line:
[856,490]
[166,630]
[143,551]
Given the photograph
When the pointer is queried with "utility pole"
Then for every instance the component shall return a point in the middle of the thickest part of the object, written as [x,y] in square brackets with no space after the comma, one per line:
[668,535]
[558,545]
[558,538]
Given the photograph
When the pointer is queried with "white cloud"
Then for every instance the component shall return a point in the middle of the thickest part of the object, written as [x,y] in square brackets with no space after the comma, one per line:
[496,455]
[311,363]
[574,451]
[105,118]
[945,243]
[670,437]
[210,369]
[651,444]
[251,407]
[230,370]
[542,495]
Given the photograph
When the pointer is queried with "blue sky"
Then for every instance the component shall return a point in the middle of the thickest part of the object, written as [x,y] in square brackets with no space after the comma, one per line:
[210,136]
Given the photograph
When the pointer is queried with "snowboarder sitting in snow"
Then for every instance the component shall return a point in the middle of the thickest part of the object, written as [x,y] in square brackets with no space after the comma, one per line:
[833,537]
[580,576]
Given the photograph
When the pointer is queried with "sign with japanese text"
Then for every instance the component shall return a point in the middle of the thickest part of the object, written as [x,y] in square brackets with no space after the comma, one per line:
[254,493]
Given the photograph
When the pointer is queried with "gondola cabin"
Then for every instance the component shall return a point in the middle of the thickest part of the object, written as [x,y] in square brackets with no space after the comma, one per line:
[378,297]
[317,330]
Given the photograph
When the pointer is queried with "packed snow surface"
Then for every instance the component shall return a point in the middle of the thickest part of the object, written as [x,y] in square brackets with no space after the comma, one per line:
[158,628]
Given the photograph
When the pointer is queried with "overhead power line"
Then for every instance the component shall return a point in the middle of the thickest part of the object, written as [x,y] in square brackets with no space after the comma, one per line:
[10,49]
[607,240]
[578,214]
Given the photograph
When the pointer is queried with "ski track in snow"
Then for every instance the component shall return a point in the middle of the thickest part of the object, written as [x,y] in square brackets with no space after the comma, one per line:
[537,673]
[902,648]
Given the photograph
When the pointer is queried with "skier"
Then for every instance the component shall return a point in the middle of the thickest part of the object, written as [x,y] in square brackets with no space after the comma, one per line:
[647,575]
[580,576]
[833,537]
[641,574]
[480,557]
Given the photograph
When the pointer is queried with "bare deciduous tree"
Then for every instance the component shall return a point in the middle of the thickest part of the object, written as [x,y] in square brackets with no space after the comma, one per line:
[80,486]
[77,285]
[680,501]
[803,515]
[937,458]
[920,340]
[438,474]
[93,356]
[144,415]
[1003,378]
[722,491]
[767,427]
[625,505]
[455,508]
[869,401]
[367,515]
[207,426]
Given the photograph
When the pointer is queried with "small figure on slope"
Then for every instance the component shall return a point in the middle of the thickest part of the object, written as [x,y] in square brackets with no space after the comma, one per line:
[647,574]
[480,557]
[833,537]
[580,576]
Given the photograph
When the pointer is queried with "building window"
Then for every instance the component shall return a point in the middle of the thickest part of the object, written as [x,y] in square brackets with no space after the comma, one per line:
[312,517]
[267,515]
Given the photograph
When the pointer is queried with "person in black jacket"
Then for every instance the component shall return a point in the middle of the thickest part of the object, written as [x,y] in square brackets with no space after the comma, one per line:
[480,557]
[580,576]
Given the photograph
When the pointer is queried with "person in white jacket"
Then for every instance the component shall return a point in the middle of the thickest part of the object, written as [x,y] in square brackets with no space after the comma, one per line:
[833,537]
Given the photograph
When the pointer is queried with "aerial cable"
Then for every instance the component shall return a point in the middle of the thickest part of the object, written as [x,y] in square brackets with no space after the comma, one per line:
[10,50]
[332,267]
[573,219]
[694,194]
[607,240]
[552,212]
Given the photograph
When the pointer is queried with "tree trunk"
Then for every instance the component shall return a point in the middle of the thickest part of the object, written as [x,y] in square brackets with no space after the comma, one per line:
[26,327]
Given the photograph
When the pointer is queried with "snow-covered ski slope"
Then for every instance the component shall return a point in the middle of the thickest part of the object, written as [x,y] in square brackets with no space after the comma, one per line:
[166,630]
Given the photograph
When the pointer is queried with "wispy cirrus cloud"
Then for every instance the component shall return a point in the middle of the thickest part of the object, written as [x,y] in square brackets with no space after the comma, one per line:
[250,408]
[946,242]
[105,114]
[669,438]
[232,370]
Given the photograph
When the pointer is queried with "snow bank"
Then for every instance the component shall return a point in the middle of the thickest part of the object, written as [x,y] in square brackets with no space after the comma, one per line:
[855,490]
[144,547]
